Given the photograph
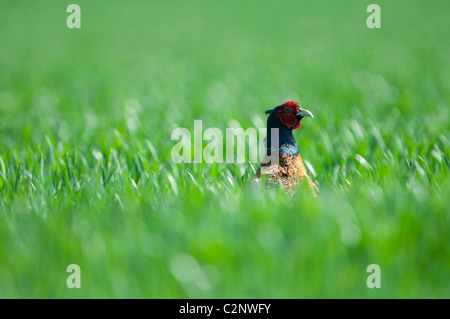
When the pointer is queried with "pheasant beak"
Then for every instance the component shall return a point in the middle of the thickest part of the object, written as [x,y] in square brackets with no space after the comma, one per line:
[303,113]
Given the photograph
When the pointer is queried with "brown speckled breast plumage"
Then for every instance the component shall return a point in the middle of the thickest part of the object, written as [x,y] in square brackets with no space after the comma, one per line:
[289,173]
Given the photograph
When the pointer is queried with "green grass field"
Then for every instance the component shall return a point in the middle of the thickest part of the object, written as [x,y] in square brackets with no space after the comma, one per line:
[86,175]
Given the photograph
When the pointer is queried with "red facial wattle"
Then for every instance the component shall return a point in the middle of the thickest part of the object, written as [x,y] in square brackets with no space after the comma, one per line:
[287,114]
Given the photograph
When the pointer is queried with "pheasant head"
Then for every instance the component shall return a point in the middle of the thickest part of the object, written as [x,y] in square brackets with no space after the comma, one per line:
[286,118]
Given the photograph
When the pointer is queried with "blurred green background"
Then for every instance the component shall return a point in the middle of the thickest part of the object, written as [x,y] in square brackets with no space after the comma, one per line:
[85,171]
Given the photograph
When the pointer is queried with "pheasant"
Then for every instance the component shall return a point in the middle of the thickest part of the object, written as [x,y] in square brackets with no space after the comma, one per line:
[282,163]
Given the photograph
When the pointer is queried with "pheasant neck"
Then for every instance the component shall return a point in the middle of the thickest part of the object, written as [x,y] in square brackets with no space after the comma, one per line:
[286,141]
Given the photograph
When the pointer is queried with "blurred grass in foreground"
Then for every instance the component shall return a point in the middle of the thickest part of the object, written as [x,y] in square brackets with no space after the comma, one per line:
[85,170]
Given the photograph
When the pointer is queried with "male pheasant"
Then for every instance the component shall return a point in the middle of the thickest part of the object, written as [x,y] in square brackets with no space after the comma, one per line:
[282,164]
